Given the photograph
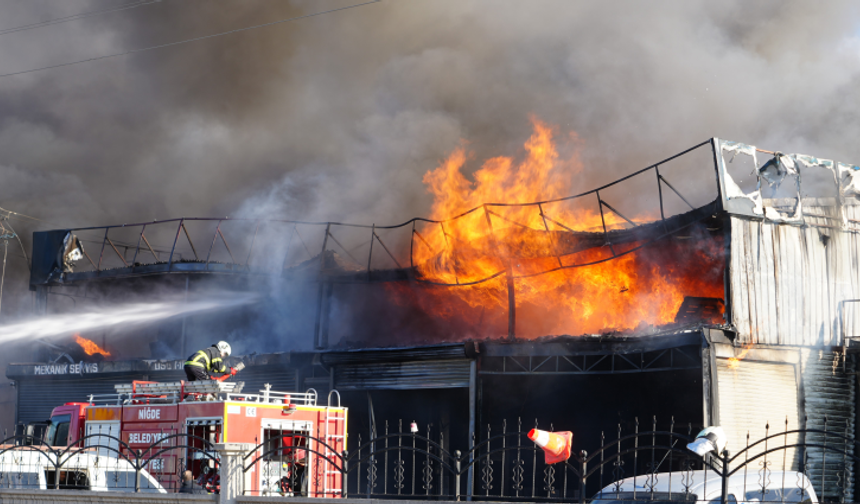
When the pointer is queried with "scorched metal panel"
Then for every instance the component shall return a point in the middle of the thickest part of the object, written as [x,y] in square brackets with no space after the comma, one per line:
[787,283]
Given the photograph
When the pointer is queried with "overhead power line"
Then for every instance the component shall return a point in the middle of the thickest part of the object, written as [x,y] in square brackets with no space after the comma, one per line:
[195,39]
[11,212]
[4,31]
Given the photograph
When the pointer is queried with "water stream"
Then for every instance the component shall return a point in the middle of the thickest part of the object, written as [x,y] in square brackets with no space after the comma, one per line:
[105,317]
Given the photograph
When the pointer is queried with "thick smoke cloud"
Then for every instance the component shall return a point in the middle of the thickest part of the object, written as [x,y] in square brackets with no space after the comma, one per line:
[338,117]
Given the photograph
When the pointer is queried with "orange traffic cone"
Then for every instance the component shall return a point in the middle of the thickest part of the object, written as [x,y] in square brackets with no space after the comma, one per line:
[555,445]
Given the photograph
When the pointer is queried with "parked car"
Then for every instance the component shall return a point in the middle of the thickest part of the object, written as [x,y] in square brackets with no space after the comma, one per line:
[706,486]
[28,467]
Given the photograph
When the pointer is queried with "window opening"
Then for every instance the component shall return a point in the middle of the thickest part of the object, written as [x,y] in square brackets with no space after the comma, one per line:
[58,431]
[69,479]
[284,468]
[197,458]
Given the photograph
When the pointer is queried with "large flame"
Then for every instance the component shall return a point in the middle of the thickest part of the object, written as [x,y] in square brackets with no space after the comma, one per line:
[90,347]
[643,287]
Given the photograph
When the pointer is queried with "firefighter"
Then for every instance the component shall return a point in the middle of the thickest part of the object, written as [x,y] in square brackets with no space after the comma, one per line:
[209,360]
[188,485]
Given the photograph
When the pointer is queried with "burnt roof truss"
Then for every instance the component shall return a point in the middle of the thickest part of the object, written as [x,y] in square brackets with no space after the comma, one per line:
[595,364]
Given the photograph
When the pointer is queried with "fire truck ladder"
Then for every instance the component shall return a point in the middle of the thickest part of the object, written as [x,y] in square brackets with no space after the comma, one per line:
[334,437]
[176,391]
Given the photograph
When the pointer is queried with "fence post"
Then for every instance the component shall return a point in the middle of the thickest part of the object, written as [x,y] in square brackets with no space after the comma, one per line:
[345,490]
[232,470]
[457,454]
[724,495]
[584,469]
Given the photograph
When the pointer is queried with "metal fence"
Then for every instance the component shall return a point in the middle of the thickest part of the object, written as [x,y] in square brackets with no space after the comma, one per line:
[645,463]
[104,462]
[629,463]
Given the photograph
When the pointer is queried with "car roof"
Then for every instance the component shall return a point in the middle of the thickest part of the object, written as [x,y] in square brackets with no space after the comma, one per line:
[706,483]
[33,456]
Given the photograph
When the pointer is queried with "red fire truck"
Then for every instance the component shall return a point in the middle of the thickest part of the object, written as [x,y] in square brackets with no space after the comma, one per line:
[144,415]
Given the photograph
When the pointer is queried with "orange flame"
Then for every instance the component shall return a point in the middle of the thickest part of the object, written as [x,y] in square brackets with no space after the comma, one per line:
[90,347]
[643,287]
[735,362]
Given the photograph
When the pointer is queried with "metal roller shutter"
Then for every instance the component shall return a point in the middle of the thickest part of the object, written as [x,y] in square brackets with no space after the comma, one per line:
[829,392]
[282,379]
[403,375]
[38,396]
[753,396]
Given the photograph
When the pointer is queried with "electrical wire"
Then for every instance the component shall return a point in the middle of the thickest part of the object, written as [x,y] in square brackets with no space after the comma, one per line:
[73,17]
[3,277]
[29,265]
[178,42]
[11,212]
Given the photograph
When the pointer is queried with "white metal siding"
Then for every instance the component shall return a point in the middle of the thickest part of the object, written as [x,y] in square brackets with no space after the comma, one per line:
[786,284]
[756,399]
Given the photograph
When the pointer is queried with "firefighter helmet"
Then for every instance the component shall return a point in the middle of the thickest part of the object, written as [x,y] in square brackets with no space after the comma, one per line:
[223,347]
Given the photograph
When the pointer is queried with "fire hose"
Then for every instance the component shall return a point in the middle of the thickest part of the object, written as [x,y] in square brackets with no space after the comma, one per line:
[240,366]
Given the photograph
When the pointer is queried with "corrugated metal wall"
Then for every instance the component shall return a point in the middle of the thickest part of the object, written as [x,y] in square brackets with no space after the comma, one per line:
[828,391]
[787,282]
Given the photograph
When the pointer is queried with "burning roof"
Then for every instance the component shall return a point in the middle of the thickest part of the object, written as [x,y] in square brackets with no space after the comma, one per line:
[512,250]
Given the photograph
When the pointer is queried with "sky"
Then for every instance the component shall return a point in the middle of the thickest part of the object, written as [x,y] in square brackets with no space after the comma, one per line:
[339,116]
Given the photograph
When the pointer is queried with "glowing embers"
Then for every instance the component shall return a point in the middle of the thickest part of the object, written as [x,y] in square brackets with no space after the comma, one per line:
[90,347]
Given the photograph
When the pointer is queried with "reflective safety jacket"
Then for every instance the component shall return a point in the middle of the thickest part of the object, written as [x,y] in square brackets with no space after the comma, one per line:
[209,359]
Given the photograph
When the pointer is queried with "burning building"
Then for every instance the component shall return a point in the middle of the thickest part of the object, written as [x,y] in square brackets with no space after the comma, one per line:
[718,286]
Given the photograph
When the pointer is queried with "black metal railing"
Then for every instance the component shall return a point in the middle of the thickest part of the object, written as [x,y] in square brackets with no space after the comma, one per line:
[425,251]
[631,462]
[635,463]
[101,461]
[279,246]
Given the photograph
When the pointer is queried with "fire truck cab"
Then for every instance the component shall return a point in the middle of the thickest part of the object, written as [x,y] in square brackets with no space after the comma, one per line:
[144,415]
[66,427]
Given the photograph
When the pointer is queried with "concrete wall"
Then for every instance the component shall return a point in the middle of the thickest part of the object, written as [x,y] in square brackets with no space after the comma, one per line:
[29,496]
[76,496]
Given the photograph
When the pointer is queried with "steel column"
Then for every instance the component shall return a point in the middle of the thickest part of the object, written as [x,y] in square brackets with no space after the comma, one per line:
[317,324]
[473,382]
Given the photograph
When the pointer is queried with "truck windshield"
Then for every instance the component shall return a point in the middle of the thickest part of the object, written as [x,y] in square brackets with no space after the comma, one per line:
[58,432]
